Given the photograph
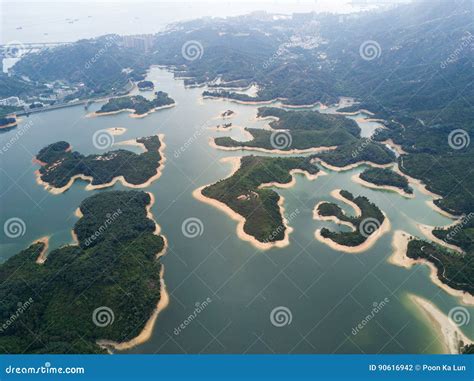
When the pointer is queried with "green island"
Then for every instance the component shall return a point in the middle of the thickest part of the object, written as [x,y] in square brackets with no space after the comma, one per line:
[242,192]
[61,298]
[138,103]
[365,224]
[60,165]
[454,268]
[385,176]
[362,150]
[145,85]
[303,130]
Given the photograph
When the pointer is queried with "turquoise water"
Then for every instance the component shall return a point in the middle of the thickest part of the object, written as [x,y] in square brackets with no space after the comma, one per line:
[327,293]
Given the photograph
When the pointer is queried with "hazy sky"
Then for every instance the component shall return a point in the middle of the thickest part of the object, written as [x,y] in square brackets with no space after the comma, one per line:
[34,21]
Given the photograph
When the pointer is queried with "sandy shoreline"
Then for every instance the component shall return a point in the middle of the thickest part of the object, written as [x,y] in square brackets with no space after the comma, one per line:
[121,178]
[116,130]
[336,193]
[399,258]
[213,144]
[423,189]
[428,233]
[243,131]
[356,179]
[396,147]
[292,183]
[317,216]
[445,327]
[147,330]
[42,255]
[351,166]
[367,244]
[131,112]
[197,193]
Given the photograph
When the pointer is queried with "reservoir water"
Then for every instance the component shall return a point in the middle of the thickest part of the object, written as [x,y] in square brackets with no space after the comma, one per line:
[322,294]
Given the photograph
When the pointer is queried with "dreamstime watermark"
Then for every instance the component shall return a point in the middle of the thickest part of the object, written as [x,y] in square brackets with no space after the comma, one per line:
[192,50]
[281,316]
[365,142]
[103,316]
[281,139]
[281,228]
[178,152]
[459,139]
[370,50]
[377,307]
[14,227]
[192,227]
[22,307]
[198,308]
[467,40]
[270,61]
[459,226]
[368,226]
[110,219]
[102,139]
[14,49]
[459,316]
[20,131]
[110,41]
[45,369]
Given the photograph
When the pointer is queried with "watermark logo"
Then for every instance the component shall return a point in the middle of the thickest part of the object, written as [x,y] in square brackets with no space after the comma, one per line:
[368,226]
[281,316]
[111,41]
[22,307]
[459,316]
[459,227]
[467,40]
[102,139]
[14,227]
[459,139]
[192,227]
[103,316]
[281,139]
[370,50]
[376,308]
[198,308]
[192,50]
[110,219]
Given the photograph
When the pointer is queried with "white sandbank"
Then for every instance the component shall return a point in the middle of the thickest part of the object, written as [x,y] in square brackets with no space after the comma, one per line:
[428,233]
[452,336]
[356,179]
[213,144]
[399,258]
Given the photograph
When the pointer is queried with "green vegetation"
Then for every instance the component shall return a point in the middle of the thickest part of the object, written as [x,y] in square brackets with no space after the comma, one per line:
[385,176]
[140,104]
[95,65]
[53,304]
[259,207]
[447,175]
[304,130]
[360,150]
[454,269]
[364,225]
[61,164]
[145,85]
